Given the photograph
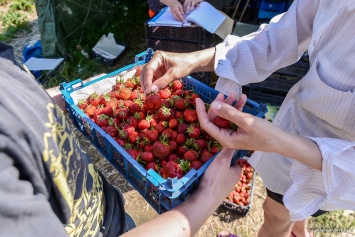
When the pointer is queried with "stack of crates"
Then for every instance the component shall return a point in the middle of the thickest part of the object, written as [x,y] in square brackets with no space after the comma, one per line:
[274,89]
[180,40]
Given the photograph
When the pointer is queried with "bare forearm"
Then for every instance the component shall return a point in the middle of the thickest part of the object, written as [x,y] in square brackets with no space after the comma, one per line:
[184,220]
[203,60]
[301,149]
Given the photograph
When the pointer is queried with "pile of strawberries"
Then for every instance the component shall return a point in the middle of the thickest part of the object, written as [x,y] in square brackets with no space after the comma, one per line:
[161,131]
[242,190]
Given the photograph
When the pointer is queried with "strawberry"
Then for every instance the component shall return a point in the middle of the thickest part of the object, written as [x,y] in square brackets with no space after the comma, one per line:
[194,131]
[133,121]
[172,157]
[152,165]
[102,120]
[190,115]
[173,145]
[196,164]
[173,123]
[164,113]
[134,107]
[152,135]
[112,103]
[181,150]
[94,99]
[148,147]
[133,137]
[221,122]
[134,153]
[200,144]
[89,110]
[171,170]
[190,155]
[130,83]
[205,156]
[165,93]
[182,128]
[122,114]
[159,127]
[173,134]
[143,124]
[177,85]
[180,103]
[167,133]
[82,104]
[161,149]
[125,93]
[135,94]
[178,92]
[147,156]
[121,142]
[180,138]
[153,101]
[111,130]
[216,148]
[107,111]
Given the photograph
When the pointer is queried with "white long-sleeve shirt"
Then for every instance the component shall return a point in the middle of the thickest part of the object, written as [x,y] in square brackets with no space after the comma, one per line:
[321,106]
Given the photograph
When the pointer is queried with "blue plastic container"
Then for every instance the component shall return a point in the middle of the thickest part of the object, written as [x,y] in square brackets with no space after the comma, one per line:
[162,194]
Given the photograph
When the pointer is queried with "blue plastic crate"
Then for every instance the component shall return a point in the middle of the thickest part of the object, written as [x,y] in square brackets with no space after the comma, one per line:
[162,194]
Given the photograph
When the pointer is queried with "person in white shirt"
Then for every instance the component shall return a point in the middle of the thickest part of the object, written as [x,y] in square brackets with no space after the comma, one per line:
[306,157]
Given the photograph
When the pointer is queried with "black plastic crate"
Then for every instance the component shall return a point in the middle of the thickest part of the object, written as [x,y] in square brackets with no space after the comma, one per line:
[277,83]
[265,96]
[178,39]
[299,69]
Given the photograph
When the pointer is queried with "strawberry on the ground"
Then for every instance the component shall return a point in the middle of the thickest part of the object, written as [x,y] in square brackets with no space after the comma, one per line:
[147,156]
[196,164]
[152,101]
[190,115]
[221,122]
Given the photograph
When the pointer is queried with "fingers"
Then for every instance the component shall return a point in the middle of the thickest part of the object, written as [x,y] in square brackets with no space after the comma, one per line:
[161,83]
[180,13]
[241,102]
[146,78]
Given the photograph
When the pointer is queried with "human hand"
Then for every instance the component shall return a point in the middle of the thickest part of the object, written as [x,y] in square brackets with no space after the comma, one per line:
[253,133]
[220,177]
[177,10]
[163,68]
[189,5]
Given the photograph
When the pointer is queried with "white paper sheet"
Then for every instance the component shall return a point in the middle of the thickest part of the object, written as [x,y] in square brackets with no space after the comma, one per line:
[43,64]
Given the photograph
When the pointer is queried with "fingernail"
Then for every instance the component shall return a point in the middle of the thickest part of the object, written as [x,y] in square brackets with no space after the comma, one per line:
[155,88]
[216,105]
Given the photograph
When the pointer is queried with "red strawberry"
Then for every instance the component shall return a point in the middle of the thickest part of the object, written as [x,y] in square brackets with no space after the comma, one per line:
[121,142]
[134,107]
[201,144]
[108,111]
[182,128]
[82,104]
[122,114]
[205,156]
[161,149]
[196,164]
[90,109]
[152,135]
[133,137]
[171,170]
[148,147]
[165,93]
[159,127]
[178,92]
[134,153]
[190,155]
[164,113]
[190,115]
[152,165]
[143,124]
[221,122]
[172,157]
[173,123]
[133,121]
[147,156]
[153,101]
[112,103]
[173,145]
[130,83]
[180,103]
[180,138]
[193,131]
[134,95]
[215,149]
[111,130]
[177,85]
[94,99]
[102,120]
[125,93]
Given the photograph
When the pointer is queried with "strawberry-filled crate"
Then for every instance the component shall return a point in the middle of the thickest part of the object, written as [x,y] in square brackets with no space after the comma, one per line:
[131,150]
